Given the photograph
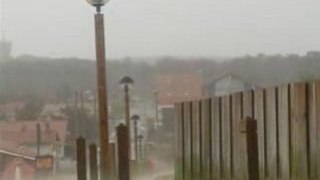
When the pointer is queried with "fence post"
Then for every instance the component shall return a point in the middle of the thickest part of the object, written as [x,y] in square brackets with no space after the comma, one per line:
[93,162]
[250,143]
[123,152]
[81,159]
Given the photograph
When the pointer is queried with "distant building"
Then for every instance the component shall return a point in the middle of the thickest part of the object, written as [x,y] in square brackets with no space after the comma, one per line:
[5,49]
[17,162]
[173,88]
[23,133]
[227,84]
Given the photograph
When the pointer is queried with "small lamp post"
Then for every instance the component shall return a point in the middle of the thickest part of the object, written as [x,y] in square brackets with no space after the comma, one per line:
[105,164]
[156,123]
[140,138]
[126,82]
[135,118]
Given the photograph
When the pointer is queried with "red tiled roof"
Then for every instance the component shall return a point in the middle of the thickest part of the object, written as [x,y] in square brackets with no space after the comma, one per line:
[174,88]
[16,150]
[24,132]
[28,137]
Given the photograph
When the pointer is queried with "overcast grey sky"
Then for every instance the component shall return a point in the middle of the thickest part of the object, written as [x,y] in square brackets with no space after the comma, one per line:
[63,28]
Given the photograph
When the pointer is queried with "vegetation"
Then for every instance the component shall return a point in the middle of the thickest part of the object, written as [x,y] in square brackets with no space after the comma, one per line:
[31,110]
[80,123]
[56,80]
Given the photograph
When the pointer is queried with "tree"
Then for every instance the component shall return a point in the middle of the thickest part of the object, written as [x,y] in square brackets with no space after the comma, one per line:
[80,123]
[31,110]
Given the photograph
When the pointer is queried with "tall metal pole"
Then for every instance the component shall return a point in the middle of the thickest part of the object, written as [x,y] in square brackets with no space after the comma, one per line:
[102,95]
[127,115]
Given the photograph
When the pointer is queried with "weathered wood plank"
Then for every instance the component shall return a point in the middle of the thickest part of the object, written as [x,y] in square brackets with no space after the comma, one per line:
[226,137]
[259,115]
[284,132]
[317,109]
[236,119]
[248,111]
[248,100]
[179,153]
[206,154]
[195,125]
[299,162]
[216,139]
[313,128]
[249,142]
[271,130]
[188,139]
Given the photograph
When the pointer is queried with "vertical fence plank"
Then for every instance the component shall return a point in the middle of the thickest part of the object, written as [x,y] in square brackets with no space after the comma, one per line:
[248,111]
[81,159]
[299,124]
[216,138]
[248,106]
[249,142]
[196,122]
[259,115]
[236,119]
[271,130]
[284,132]
[178,143]
[188,139]
[123,152]
[226,137]
[312,132]
[93,162]
[317,109]
[206,155]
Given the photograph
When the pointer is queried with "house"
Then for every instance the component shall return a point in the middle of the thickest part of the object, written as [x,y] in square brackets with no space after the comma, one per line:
[16,162]
[8,111]
[172,88]
[23,133]
[227,84]
[19,162]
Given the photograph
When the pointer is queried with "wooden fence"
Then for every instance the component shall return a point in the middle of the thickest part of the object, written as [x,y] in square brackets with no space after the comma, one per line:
[288,127]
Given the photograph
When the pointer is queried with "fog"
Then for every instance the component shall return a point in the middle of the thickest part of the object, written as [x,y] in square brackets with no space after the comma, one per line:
[144,28]
[172,68]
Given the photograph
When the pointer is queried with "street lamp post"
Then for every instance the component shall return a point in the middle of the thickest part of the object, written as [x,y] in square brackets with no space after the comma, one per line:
[126,82]
[135,118]
[156,110]
[140,138]
[105,162]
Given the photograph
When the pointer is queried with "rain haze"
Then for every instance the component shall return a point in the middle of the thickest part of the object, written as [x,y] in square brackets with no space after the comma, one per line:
[142,28]
[169,90]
